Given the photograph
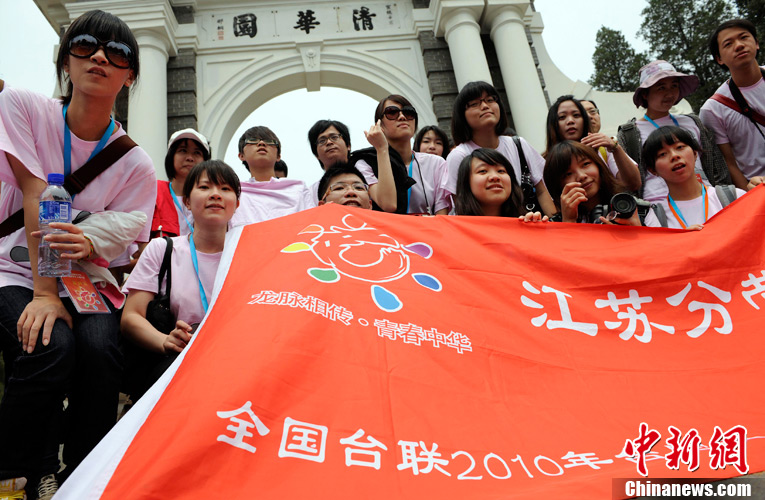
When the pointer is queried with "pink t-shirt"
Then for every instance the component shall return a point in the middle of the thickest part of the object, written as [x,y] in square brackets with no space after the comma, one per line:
[691,210]
[655,188]
[431,175]
[731,127]
[32,131]
[185,301]
[508,149]
[265,200]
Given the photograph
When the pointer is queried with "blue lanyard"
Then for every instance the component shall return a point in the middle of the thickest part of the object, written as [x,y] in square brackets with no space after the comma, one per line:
[68,144]
[180,210]
[409,191]
[657,125]
[678,214]
[196,269]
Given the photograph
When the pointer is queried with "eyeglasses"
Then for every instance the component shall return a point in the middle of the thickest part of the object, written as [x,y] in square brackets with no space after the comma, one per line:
[117,53]
[392,112]
[341,187]
[264,141]
[331,137]
[593,111]
[477,102]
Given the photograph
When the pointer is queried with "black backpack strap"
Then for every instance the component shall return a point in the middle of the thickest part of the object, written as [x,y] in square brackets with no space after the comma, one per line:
[525,171]
[166,268]
[530,201]
[76,181]
[746,110]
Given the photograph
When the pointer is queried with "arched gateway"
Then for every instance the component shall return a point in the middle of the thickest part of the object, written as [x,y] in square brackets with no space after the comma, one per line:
[208,65]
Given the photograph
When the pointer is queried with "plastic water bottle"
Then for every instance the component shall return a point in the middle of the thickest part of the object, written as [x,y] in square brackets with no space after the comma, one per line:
[55,206]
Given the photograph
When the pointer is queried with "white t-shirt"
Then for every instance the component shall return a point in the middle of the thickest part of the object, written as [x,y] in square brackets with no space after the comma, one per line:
[265,200]
[731,127]
[31,130]
[429,171]
[655,188]
[185,300]
[691,210]
[508,149]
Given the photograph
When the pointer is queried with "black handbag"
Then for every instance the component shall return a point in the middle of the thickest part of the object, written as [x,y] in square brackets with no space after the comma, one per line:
[158,311]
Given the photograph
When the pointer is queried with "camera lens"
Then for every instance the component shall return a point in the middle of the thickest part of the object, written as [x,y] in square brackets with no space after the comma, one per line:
[624,205]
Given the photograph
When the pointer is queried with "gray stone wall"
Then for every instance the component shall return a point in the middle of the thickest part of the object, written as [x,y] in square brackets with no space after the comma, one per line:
[181,91]
[440,73]
[182,82]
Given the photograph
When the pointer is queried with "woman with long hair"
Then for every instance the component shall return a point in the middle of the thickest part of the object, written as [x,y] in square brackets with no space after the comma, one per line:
[486,186]
[479,121]
[567,120]
[580,182]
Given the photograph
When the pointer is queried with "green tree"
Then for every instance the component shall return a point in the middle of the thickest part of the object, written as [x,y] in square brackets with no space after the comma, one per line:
[678,30]
[754,10]
[616,62]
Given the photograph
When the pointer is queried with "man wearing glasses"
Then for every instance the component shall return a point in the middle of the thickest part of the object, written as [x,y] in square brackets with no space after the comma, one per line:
[345,185]
[264,196]
[330,143]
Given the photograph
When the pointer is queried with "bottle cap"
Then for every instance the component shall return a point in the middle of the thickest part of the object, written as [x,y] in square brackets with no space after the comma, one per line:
[55,178]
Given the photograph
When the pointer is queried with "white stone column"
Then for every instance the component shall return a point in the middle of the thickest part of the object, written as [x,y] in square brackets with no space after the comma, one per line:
[463,34]
[147,109]
[524,90]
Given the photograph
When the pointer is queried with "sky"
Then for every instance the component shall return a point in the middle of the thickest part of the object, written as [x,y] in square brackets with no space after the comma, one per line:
[569,36]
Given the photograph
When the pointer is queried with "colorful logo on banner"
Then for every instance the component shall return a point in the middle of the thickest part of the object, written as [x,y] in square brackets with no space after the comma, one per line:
[361,252]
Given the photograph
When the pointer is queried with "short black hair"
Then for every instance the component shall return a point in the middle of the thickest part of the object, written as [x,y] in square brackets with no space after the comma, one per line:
[465,201]
[170,156]
[439,132]
[338,168]
[662,136]
[280,166]
[461,131]
[320,126]
[553,128]
[714,46]
[102,25]
[263,133]
[398,99]
[218,172]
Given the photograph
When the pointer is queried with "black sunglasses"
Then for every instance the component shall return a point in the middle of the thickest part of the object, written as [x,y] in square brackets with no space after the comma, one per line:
[117,53]
[392,112]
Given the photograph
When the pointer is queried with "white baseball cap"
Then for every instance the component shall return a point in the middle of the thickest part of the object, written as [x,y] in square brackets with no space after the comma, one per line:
[189,133]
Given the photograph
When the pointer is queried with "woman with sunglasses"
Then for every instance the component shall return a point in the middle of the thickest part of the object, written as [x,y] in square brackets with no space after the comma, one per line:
[416,180]
[51,349]
[479,121]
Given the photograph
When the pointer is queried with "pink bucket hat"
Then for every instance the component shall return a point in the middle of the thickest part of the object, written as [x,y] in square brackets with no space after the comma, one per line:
[652,72]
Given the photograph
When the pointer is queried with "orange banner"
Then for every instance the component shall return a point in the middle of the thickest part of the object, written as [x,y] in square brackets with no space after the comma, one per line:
[357,354]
